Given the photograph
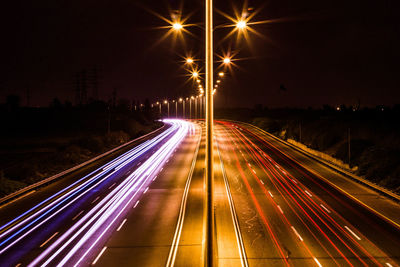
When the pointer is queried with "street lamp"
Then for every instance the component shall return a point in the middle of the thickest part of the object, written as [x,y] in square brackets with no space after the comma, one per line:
[167,102]
[183,107]
[176,108]
[221,74]
[189,60]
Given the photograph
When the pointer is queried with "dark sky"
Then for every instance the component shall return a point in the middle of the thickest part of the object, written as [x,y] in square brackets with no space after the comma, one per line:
[323,52]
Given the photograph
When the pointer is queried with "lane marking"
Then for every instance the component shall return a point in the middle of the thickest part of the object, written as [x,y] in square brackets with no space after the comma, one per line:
[270,194]
[254,171]
[325,208]
[280,209]
[182,211]
[317,262]
[351,232]
[147,188]
[77,215]
[19,264]
[139,163]
[235,220]
[155,177]
[261,181]
[95,199]
[294,181]
[137,202]
[122,224]
[98,256]
[111,186]
[299,236]
[388,264]
[47,241]
[308,193]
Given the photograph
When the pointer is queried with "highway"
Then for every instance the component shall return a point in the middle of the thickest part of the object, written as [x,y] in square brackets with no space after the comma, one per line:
[71,226]
[289,216]
[273,206]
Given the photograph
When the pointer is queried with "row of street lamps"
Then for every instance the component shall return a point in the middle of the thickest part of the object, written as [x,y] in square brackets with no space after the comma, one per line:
[196,103]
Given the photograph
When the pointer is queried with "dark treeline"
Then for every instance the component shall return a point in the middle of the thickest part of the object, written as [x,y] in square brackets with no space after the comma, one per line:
[39,142]
[374,135]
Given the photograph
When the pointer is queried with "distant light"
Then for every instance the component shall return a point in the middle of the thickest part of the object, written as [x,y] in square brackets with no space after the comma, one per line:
[177,26]
[221,74]
[198,81]
[180,99]
[165,101]
[338,108]
[218,81]
[214,91]
[189,60]
[195,74]
[158,103]
[241,24]
[227,60]
[216,86]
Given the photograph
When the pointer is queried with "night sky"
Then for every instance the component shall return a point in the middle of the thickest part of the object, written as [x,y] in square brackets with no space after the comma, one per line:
[322,52]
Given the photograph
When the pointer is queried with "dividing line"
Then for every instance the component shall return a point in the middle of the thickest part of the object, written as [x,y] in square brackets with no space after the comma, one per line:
[351,232]
[235,221]
[122,224]
[98,256]
[179,225]
[47,241]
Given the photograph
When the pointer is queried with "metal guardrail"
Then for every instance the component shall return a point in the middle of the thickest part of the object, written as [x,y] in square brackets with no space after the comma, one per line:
[11,196]
[379,189]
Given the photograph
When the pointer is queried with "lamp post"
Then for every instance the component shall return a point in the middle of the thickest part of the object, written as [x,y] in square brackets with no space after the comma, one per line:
[209,135]
[190,107]
[159,105]
[167,102]
[176,108]
[195,107]
[183,107]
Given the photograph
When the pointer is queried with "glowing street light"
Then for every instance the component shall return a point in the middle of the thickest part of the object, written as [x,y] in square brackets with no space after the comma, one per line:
[189,60]
[221,74]
[227,60]
[195,74]
[218,81]
[177,26]
[241,24]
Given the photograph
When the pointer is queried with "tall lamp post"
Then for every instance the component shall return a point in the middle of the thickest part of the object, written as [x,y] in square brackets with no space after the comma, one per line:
[176,108]
[209,135]
[167,102]
[159,105]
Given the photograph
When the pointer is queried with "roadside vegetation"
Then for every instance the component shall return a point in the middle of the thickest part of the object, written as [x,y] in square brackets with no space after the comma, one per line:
[374,135]
[37,143]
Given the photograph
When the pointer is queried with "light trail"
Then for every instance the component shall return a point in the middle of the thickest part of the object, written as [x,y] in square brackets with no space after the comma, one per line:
[101,217]
[97,221]
[307,202]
